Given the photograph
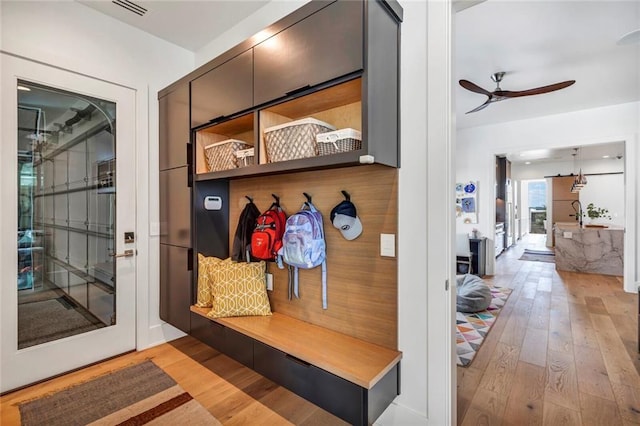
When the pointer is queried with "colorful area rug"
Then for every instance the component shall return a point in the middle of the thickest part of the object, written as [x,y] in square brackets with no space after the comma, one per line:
[472,329]
[134,395]
[538,256]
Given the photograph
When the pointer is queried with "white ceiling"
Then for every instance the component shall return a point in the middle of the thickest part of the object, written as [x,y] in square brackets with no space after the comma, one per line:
[189,24]
[544,42]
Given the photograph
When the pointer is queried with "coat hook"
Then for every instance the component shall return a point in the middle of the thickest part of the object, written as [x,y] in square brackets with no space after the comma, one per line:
[346,195]
[307,196]
[277,202]
[249,198]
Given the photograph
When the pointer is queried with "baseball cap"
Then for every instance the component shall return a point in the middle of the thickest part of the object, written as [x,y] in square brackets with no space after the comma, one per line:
[344,217]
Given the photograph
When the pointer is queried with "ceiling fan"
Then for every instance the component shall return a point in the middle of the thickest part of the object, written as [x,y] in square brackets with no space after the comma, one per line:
[500,95]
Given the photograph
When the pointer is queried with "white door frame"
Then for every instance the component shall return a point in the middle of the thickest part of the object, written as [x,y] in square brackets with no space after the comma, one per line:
[42,361]
[441,364]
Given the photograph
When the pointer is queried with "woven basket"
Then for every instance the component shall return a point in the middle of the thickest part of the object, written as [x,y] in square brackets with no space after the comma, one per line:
[246,157]
[342,140]
[221,155]
[296,139]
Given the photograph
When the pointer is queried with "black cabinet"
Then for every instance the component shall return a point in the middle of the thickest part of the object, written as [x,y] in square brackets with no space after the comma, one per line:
[478,248]
[175,285]
[350,402]
[323,46]
[224,90]
[236,345]
[174,127]
[175,207]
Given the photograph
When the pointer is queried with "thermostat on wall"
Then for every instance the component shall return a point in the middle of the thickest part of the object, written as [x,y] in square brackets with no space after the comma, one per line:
[212,202]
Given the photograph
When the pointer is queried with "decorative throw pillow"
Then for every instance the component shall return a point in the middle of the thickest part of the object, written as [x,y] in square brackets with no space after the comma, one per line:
[239,289]
[205,267]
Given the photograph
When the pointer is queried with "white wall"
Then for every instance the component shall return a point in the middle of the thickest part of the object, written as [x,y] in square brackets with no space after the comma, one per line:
[477,147]
[603,190]
[74,37]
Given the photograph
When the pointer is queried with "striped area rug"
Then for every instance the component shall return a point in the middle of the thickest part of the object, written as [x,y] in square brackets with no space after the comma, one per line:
[136,395]
[473,328]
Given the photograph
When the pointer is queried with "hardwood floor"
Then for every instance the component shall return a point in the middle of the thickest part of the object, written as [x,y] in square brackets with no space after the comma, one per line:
[563,351]
[233,393]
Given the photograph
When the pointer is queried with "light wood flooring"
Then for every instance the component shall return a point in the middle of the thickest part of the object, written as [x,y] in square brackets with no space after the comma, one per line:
[233,393]
[563,351]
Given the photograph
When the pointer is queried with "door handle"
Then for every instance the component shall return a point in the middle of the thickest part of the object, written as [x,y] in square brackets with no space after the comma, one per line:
[127,253]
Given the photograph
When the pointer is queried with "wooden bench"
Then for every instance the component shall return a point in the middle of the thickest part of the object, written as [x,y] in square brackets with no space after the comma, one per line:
[351,378]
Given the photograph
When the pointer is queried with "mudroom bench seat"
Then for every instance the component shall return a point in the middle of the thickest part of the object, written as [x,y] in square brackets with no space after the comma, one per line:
[351,378]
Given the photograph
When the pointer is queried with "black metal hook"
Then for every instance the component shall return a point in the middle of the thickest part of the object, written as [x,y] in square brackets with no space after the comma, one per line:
[307,196]
[249,198]
[346,195]
[277,202]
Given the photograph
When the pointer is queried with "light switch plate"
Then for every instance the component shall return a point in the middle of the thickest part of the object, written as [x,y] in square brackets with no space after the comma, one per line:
[388,245]
[567,234]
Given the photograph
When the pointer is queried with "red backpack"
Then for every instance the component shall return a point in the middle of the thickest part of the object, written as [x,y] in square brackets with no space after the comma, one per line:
[266,239]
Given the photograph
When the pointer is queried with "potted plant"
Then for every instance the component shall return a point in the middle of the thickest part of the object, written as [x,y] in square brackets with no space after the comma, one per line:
[594,212]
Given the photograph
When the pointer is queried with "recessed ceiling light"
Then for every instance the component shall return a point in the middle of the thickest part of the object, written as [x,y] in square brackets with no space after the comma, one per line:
[605,156]
[26,89]
[522,154]
[527,162]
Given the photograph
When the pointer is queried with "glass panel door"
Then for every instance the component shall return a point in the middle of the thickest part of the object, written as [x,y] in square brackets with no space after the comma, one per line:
[66,214]
[68,260]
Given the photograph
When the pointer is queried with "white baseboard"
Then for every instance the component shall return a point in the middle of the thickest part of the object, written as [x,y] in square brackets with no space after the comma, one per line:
[159,334]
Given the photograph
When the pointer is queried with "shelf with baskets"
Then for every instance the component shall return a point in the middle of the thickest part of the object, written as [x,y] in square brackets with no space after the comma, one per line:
[316,129]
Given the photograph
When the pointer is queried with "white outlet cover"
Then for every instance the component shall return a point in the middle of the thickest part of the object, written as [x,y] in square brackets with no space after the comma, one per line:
[388,245]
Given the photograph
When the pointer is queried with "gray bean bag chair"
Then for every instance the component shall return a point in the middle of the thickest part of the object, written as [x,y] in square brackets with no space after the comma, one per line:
[473,293]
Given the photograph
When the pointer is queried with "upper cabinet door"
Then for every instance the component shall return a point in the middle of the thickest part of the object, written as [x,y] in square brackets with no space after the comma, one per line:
[224,90]
[323,46]
[174,128]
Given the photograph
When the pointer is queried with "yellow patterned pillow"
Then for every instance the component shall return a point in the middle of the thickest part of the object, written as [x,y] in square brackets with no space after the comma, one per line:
[239,289]
[205,268]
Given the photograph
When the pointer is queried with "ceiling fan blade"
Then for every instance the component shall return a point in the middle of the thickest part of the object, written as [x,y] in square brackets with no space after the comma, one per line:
[478,108]
[536,91]
[474,87]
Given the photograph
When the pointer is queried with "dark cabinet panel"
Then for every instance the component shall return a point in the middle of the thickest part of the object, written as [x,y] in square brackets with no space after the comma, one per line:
[208,331]
[239,347]
[381,103]
[224,90]
[174,128]
[325,45]
[175,286]
[336,395]
[175,207]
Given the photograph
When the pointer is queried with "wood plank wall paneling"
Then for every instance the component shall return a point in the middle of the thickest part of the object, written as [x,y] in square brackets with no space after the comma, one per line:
[362,286]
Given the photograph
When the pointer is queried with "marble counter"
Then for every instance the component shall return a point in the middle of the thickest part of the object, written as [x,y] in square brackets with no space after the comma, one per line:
[590,250]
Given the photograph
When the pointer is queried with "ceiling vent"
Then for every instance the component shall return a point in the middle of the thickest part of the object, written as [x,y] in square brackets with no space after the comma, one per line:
[130,6]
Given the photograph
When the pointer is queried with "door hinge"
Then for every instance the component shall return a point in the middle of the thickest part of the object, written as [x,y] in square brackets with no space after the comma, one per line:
[446,285]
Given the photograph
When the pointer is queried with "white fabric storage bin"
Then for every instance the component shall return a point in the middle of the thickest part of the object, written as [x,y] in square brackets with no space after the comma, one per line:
[245,157]
[222,155]
[296,139]
[342,140]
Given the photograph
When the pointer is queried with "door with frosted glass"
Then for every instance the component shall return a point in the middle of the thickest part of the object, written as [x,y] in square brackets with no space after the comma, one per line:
[74,247]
